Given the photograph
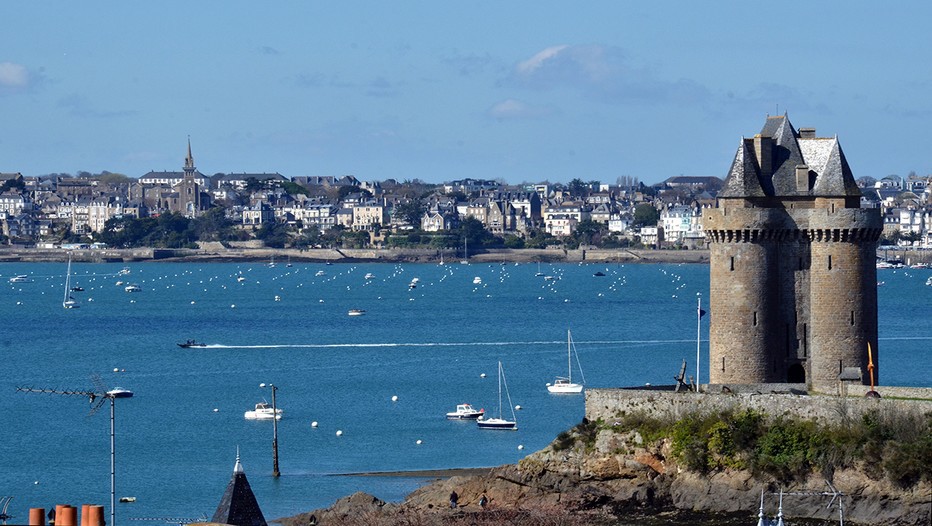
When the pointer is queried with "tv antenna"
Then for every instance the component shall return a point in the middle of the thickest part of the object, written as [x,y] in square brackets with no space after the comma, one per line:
[4,506]
[835,494]
[100,395]
[180,521]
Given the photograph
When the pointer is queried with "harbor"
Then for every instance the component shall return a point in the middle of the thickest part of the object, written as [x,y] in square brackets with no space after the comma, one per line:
[384,381]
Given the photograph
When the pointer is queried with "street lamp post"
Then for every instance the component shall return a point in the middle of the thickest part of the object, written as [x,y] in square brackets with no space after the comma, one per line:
[698,334]
[275,472]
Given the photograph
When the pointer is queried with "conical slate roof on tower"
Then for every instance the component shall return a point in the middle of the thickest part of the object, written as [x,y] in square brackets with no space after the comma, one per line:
[238,505]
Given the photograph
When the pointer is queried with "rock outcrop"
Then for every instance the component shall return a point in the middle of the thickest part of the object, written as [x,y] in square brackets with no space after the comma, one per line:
[591,477]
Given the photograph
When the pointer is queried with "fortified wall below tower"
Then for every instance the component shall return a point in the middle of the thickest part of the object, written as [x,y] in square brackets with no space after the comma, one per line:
[774,400]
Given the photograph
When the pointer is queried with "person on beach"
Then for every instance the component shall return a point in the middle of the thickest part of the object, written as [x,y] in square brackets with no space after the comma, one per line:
[453,498]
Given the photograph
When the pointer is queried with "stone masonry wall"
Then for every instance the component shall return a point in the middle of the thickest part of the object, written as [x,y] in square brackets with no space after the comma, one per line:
[613,404]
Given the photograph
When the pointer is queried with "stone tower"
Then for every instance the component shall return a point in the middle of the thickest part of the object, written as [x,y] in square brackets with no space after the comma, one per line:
[189,191]
[793,278]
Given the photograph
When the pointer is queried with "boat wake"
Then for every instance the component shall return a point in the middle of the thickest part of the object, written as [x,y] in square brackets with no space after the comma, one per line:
[432,344]
[474,344]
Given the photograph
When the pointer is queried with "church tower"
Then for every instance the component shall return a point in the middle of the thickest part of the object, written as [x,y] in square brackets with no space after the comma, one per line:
[793,280]
[189,191]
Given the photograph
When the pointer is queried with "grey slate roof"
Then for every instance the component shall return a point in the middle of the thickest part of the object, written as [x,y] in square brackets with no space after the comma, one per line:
[238,505]
[742,179]
[823,156]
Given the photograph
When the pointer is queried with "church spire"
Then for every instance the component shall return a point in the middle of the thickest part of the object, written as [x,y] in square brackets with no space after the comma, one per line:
[189,160]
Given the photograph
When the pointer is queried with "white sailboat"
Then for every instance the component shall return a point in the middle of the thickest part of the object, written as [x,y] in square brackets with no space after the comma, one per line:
[68,302]
[500,422]
[465,260]
[565,384]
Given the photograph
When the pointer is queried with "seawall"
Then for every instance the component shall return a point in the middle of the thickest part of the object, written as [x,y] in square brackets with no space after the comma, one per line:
[613,404]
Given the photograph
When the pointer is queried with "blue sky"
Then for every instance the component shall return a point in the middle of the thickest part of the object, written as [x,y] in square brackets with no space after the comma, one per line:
[520,91]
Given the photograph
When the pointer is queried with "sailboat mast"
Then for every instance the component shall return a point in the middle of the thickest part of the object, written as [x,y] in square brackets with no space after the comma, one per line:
[500,413]
[64,300]
[569,358]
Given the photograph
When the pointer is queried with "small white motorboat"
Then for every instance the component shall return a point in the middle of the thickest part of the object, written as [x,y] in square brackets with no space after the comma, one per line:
[465,412]
[356,312]
[477,280]
[263,411]
[320,273]
[132,287]
[22,278]
[370,276]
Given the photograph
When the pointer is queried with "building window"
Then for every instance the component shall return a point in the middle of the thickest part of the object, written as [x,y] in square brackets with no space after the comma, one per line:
[830,262]
[755,318]
[852,318]
[732,264]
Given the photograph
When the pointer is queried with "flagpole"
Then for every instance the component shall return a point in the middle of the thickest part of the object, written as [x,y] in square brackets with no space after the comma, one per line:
[698,334]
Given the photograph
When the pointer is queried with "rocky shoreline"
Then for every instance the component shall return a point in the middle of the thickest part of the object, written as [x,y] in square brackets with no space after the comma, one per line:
[621,481]
[215,252]
[605,471]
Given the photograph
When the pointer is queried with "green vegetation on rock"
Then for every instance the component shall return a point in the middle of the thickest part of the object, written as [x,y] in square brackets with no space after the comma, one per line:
[894,446]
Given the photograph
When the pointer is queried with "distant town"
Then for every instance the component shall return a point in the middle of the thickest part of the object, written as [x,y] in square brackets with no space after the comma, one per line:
[179,209]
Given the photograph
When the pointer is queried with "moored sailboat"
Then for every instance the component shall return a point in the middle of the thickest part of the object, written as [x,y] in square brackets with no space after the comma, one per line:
[68,302]
[565,384]
[500,422]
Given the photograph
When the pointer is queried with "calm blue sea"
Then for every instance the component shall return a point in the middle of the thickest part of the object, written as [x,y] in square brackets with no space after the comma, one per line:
[176,439]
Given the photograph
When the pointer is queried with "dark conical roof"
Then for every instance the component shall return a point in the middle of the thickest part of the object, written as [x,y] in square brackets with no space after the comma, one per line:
[790,150]
[238,505]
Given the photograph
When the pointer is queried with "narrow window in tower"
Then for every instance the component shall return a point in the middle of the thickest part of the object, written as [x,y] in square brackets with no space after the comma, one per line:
[852,318]
[830,262]
[732,264]
[805,341]
[723,364]
[755,318]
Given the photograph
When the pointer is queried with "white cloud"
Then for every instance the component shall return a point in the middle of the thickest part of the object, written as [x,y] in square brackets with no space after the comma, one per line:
[529,66]
[13,76]
[603,73]
[515,109]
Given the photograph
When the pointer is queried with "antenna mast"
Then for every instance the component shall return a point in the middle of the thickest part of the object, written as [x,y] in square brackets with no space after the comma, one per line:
[101,395]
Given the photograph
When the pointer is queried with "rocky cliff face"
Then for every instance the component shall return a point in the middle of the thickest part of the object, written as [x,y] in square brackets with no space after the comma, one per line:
[605,477]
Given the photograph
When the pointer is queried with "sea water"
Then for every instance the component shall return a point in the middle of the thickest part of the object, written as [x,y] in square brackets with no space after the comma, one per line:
[432,346]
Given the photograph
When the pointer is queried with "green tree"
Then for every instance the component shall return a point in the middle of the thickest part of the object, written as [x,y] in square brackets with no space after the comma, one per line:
[213,225]
[513,241]
[645,215]
[475,234]
[273,235]
[411,212]
[588,232]
[294,188]
[578,188]
[112,178]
